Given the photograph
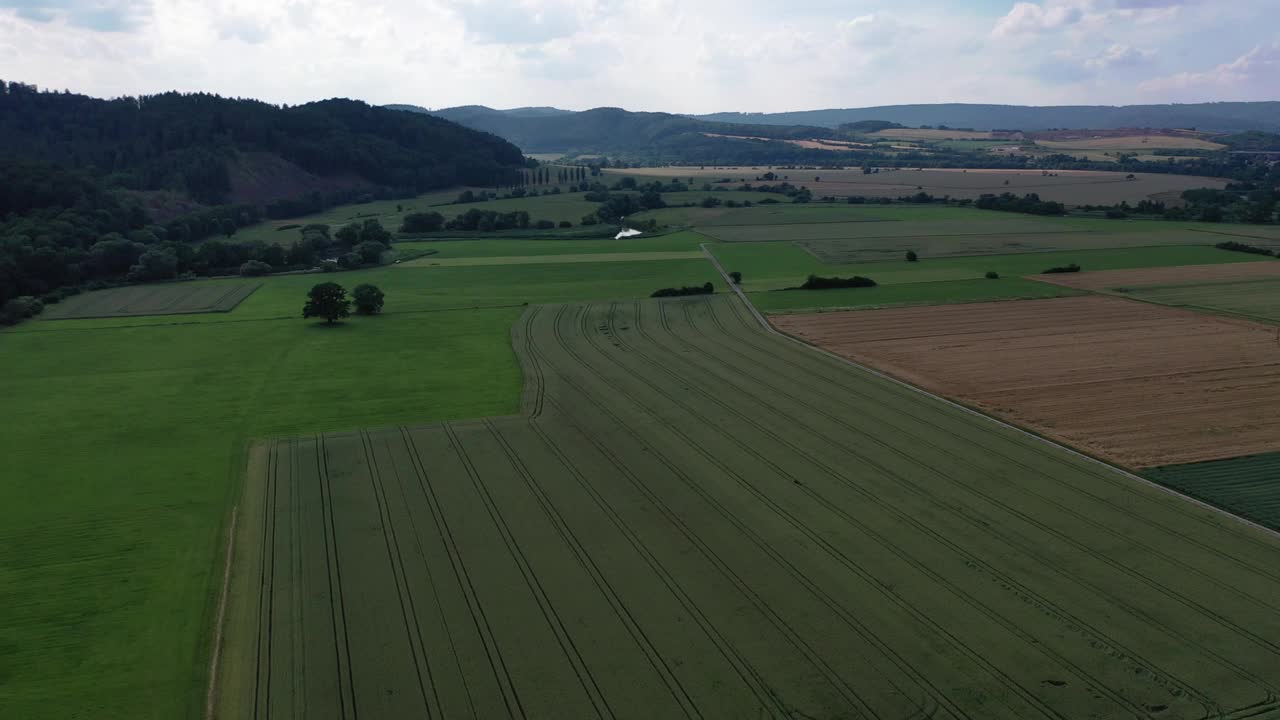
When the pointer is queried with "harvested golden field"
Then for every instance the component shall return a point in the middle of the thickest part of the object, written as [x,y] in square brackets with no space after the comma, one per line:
[1132,142]
[1138,384]
[931,134]
[1176,275]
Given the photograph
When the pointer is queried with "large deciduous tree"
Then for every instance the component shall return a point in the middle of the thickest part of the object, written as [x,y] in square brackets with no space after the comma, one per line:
[329,301]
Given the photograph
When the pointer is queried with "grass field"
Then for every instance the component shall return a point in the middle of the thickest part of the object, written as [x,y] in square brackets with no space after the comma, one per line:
[1070,187]
[771,266]
[917,293]
[1245,485]
[505,247]
[698,519]
[565,206]
[159,299]
[1259,299]
[123,450]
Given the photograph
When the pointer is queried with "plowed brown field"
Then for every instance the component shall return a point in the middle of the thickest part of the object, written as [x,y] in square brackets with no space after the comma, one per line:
[1177,275]
[1138,384]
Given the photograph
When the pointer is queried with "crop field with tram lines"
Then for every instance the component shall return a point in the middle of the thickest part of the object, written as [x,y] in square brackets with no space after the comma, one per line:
[693,517]
[162,299]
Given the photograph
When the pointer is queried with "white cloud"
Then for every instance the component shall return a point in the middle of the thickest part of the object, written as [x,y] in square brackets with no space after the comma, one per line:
[1029,18]
[1117,56]
[1254,72]
[672,55]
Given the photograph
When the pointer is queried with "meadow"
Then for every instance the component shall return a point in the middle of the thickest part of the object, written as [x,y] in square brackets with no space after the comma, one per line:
[696,518]
[1077,187]
[125,448]
[783,263]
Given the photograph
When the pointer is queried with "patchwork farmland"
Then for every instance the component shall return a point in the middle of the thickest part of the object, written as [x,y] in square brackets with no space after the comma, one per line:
[696,518]
[1138,384]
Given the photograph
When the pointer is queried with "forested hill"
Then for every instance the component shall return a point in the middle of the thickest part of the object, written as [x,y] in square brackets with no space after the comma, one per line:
[608,130]
[1216,117]
[107,191]
[200,145]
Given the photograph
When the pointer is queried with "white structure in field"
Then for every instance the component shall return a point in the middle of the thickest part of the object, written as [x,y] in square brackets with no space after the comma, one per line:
[626,233]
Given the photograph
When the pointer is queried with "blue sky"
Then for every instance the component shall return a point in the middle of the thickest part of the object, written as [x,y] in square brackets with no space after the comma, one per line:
[672,55]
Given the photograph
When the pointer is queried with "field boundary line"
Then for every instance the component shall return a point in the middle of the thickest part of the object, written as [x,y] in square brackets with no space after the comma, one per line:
[220,620]
[1274,534]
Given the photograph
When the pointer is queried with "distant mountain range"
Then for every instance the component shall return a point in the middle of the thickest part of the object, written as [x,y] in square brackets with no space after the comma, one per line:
[1212,117]
[607,130]
[546,129]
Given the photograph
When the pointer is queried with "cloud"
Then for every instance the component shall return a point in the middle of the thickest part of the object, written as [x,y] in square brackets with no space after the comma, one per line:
[519,21]
[1256,70]
[98,15]
[1117,56]
[871,31]
[1029,18]
[671,55]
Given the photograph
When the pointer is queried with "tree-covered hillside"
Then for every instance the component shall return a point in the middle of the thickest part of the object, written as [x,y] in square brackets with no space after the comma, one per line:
[611,130]
[80,177]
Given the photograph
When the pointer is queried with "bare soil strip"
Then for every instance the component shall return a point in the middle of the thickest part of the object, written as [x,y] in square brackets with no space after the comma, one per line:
[1177,275]
[1137,384]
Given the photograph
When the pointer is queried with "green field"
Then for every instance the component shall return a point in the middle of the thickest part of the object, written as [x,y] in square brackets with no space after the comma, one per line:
[1247,486]
[918,293]
[507,247]
[771,266]
[123,451]
[1258,299]
[698,519]
[158,299]
[565,206]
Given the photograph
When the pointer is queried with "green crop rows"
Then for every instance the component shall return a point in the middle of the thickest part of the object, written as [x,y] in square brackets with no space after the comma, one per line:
[1247,486]
[695,518]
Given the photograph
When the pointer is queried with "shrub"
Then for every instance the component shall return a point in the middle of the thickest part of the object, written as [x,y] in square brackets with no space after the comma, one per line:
[993,275]
[329,266]
[422,222]
[19,309]
[736,277]
[255,268]
[565,223]
[1116,214]
[544,225]
[589,220]
[911,256]
[350,260]
[1241,247]
[705,289]
[828,283]
[1063,269]
[368,299]
[370,251]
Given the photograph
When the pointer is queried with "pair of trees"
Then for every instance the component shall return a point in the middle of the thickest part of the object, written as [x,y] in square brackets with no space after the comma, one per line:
[329,301]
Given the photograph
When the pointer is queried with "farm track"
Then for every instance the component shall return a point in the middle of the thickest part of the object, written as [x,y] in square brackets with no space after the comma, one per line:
[697,519]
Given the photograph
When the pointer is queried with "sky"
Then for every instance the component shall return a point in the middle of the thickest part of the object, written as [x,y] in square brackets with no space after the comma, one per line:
[689,56]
